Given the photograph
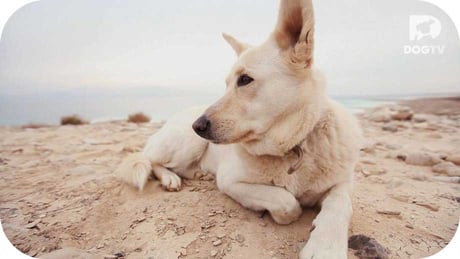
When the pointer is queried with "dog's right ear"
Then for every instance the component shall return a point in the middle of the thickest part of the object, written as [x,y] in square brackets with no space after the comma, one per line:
[294,31]
[237,46]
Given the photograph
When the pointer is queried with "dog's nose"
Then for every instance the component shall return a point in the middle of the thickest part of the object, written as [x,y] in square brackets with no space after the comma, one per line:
[202,126]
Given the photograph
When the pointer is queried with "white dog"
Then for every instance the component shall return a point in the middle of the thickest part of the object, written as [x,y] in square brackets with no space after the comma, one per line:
[274,140]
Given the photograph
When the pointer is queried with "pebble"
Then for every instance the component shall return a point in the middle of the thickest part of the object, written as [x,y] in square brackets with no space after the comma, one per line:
[183,251]
[422,159]
[218,242]
[454,159]
[381,114]
[447,168]
[390,128]
[367,247]
[419,118]
[409,226]
[368,161]
[389,212]
[403,115]
[429,206]
[32,224]
[374,172]
[214,253]
[393,146]
[239,238]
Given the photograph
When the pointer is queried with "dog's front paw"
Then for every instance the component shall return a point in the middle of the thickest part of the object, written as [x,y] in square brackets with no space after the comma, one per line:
[287,212]
[171,182]
[324,248]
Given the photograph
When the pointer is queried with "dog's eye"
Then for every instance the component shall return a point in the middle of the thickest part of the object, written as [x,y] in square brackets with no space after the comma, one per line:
[244,80]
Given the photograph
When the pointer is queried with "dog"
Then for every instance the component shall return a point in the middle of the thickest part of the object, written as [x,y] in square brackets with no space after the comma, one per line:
[274,141]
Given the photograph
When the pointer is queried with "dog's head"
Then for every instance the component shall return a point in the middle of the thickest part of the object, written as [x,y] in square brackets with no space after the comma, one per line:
[269,87]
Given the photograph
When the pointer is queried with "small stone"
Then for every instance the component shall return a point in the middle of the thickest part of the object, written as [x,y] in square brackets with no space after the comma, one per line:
[390,128]
[367,247]
[214,253]
[422,159]
[380,114]
[239,238]
[99,246]
[454,159]
[447,168]
[409,226]
[393,146]
[389,212]
[220,236]
[431,207]
[419,118]
[368,162]
[33,224]
[218,242]
[378,171]
[403,115]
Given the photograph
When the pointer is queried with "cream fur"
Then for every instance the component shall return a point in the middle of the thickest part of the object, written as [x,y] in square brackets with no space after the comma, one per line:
[260,124]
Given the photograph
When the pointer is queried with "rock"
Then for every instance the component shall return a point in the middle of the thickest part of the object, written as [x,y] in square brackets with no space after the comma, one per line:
[377,171]
[419,118]
[183,252]
[218,242]
[214,253]
[403,115]
[367,247]
[389,212]
[429,206]
[239,238]
[390,128]
[32,224]
[393,146]
[454,159]
[447,168]
[422,159]
[381,114]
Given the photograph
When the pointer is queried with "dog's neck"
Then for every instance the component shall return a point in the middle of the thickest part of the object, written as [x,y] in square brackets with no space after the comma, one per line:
[287,133]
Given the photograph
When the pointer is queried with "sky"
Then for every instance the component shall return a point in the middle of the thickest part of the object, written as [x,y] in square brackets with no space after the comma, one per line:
[176,46]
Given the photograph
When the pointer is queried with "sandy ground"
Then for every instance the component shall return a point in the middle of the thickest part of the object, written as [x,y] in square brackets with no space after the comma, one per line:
[57,194]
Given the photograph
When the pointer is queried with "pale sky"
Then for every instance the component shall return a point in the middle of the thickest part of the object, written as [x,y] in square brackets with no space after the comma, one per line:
[107,44]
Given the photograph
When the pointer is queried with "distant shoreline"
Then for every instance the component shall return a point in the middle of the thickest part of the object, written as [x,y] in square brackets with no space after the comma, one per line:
[17,114]
[436,106]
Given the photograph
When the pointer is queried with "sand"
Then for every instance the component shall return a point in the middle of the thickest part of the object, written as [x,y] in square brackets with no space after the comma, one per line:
[58,197]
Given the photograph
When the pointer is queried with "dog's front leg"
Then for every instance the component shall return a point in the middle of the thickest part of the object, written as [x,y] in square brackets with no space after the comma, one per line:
[328,238]
[281,204]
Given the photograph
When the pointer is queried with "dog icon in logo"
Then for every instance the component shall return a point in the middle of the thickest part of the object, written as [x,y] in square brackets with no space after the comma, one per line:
[423,27]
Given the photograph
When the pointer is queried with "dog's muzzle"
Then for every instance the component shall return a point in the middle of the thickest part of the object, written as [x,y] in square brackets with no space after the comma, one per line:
[202,127]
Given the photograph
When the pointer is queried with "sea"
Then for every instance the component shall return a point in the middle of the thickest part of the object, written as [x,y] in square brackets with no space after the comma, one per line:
[105,105]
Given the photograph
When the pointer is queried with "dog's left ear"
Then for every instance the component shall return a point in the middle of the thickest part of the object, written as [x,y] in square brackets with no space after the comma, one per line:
[294,31]
[237,46]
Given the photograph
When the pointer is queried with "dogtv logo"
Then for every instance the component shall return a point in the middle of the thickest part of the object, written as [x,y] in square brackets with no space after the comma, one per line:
[423,29]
